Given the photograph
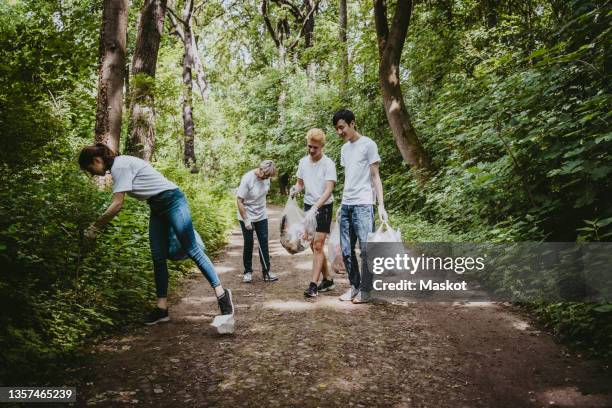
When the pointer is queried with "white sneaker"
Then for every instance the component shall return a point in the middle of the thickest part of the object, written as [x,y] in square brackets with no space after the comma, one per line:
[362,297]
[349,294]
[247,278]
[270,277]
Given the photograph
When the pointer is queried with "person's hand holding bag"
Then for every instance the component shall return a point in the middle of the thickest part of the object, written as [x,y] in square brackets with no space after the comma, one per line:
[382,214]
[310,223]
[311,215]
[293,191]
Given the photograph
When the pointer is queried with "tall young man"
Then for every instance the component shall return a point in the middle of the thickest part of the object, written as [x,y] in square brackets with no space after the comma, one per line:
[362,185]
[317,175]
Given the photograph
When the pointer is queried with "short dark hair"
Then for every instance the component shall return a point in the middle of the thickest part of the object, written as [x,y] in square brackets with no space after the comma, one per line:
[98,150]
[345,115]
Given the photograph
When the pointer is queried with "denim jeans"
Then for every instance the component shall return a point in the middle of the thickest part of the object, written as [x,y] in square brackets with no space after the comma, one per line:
[356,221]
[261,229]
[169,209]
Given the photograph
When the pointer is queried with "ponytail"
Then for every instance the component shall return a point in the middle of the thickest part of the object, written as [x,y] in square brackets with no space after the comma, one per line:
[88,153]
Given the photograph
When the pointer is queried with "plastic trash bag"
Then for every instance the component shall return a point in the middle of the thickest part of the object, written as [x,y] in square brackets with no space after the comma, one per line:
[385,233]
[176,251]
[334,251]
[296,233]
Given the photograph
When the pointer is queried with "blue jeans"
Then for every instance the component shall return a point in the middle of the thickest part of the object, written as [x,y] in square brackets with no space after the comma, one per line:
[261,229]
[356,221]
[169,209]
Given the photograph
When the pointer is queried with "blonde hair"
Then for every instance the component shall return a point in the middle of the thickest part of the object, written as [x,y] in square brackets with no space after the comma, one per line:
[316,135]
[268,168]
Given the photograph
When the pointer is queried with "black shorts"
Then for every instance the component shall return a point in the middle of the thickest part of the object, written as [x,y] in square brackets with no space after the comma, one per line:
[324,217]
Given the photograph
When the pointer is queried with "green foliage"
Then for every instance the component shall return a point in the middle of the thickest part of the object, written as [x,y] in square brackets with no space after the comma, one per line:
[45,53]
[511,101]
[517,123]
[593,230]
[56,292]
[142,84]
[520,137]
[587,326]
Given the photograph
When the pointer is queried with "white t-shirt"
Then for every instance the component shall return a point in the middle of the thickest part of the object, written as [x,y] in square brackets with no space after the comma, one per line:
[356,158]
[253,191]
[138,178]
[314,175]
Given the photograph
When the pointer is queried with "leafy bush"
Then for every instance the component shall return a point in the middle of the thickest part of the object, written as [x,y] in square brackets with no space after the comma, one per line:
[56,294]
[587,326]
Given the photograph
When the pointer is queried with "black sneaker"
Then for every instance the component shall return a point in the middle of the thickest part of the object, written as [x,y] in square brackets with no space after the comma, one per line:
[311,291]
[226,305]
[326,285]
[157,315]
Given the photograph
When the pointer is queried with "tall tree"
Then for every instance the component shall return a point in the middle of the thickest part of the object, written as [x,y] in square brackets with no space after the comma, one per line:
[309,26]
[279,35]
[390,45]
[343,24]
[111,72]
[198,67]
[141,139]
[183,28]
[182,25]
[293,17]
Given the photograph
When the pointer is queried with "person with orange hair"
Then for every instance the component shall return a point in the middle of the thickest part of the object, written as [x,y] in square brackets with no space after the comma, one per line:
[316,175]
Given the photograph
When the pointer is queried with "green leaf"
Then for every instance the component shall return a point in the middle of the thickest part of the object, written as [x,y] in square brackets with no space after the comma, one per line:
[604,222]
[604,138]
[603,308]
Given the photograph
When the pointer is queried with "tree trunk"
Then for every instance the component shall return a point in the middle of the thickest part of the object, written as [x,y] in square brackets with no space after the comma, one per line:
[126,76]
[191,61]
[141,139]
[282,96]
[199,69]
[126,85]
[282,58]
[343,44]
[189,158]
[491,10]
[111,72]
[281,36]
[390,45]
[309,25]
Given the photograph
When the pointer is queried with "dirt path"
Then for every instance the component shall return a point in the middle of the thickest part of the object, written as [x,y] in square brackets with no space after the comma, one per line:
[290,352]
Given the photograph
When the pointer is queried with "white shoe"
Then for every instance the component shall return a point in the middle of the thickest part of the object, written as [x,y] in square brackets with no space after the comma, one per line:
[362,297]
[270,277]
[247,278]
[349,294]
